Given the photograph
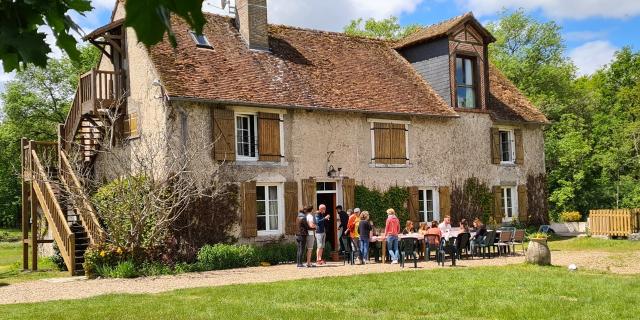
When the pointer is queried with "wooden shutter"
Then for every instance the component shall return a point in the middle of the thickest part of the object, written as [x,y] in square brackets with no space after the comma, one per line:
[390,145]
[131,126]
[498,212]
[309,192]
[413,205]
[290,206]
[495,146]
[398,143]
[517,135]
[444,194]
[269,137]
[348,193]
[523,204]
[223,124]
[248,220]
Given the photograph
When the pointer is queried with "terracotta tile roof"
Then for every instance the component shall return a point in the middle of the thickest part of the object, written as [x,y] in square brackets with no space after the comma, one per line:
[306,68]
[439,30]
[507,103]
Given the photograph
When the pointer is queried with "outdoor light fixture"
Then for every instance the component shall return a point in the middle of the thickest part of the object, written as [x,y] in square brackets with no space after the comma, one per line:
[332,172]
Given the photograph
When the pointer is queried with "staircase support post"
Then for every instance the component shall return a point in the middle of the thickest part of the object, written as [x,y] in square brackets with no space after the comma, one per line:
[34,219]
[25,204]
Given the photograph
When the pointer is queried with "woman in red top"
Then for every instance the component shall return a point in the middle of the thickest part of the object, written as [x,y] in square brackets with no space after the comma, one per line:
[391,230]
[434,241]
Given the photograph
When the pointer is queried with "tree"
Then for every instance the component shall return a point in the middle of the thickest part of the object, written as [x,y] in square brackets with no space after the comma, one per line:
[33,104]
[388,28]
[22,25]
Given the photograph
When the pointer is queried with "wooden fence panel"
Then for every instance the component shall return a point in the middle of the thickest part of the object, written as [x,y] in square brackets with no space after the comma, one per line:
[614,222]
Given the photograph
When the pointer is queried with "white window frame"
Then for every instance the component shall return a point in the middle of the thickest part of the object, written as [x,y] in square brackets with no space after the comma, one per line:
[514,204]
[206,45]
[436,202]
[235,132]
[280,190]
[512,145]
[372,121]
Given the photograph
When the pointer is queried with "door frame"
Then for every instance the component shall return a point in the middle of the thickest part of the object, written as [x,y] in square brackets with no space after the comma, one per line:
[337,199]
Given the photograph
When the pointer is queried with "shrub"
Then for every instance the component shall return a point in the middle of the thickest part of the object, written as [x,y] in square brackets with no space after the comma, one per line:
[277,253]
[377,203]
[538,235]
[570,216]
[153,269]
[470,199]
[224,256]
[123,269]
[102,256]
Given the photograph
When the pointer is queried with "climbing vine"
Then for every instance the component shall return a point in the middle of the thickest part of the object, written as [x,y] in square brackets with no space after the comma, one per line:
[377,203]
[470,199]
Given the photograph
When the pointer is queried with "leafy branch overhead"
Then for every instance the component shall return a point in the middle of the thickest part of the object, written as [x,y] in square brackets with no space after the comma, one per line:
[23,24]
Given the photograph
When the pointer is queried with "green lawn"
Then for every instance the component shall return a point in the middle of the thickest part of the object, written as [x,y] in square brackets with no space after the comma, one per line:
[11,264]
[593,244]
[514,292]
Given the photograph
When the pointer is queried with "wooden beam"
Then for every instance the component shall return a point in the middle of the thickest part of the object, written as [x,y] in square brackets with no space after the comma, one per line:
[25,205]
[34,220]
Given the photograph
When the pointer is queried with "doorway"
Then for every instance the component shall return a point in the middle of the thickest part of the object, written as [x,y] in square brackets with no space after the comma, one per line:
[326,194]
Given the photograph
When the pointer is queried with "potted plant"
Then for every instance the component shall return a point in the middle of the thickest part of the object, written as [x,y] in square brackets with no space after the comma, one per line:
[538,252]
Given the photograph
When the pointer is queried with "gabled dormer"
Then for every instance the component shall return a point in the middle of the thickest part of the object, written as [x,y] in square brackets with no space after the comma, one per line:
[453,57]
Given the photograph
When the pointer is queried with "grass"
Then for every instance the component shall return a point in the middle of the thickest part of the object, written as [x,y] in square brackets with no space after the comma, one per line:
[593,244]
[514,292]
[11,264]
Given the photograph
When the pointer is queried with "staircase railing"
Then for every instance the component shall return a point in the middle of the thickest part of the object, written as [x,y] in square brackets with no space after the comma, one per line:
[55,216]
[82,205]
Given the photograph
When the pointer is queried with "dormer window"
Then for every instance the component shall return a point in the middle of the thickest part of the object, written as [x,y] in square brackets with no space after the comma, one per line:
[465,82]
[200,40]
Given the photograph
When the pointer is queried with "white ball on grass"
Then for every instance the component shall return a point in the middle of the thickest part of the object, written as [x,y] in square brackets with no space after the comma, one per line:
[573,267]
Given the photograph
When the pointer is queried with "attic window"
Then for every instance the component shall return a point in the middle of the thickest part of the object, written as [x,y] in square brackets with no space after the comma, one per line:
[200,40]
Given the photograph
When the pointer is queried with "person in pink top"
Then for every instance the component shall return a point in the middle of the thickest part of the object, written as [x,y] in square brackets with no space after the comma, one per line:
[391,231]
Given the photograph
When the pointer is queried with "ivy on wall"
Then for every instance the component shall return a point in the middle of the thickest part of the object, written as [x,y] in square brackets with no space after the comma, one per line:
[377,203]
[471,199]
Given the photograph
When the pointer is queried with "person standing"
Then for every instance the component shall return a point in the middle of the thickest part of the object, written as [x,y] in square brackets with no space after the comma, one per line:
[365,231]
[321,218]
[344,220]
[301,237]
[311,233]
[354,221]
[391,231]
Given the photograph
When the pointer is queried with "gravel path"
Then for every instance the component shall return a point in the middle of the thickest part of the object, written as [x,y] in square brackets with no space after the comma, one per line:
[78,287]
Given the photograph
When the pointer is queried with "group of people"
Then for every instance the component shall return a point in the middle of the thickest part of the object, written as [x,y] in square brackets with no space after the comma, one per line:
[356,226]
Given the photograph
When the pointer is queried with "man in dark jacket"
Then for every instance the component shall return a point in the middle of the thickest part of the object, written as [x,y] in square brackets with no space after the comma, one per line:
[344,219]
[301,236]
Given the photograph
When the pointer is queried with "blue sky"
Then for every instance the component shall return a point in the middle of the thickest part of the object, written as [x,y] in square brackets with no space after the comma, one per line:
[593,29]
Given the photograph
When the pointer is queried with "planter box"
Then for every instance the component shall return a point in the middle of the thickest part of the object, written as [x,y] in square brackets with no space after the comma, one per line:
[569,228]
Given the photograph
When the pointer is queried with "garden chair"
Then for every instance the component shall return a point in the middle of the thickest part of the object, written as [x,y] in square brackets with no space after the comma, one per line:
[408,249]
[376,249]
[504,242]
[518,239]
[512,230]
[487,243]
[446,247]
[545,228]
[432,242]
[462,243]
[348,251]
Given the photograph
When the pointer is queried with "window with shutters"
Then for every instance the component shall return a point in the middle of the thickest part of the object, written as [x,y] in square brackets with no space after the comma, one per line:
[389,143]
[269,209]
[258,136]
[507,146]
[246,137]
[429,208]
[509,203]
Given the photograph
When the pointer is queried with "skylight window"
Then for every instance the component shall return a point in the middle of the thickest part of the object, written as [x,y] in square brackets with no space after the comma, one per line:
[201,40]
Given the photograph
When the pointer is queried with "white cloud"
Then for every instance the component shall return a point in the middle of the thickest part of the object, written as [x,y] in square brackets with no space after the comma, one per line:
[573,9]
[590,56]
[330,15]
[584,35]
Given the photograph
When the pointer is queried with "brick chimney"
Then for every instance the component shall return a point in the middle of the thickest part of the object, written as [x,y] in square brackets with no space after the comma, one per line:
[251,20]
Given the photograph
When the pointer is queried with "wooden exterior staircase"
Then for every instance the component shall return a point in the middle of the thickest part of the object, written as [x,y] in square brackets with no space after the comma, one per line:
[50,185]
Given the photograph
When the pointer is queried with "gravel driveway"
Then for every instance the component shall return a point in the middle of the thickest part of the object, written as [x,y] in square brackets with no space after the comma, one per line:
[78,287]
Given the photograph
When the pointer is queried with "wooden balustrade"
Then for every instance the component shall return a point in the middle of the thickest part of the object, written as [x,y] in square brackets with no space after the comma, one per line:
[55,216]
[82,206]
[618,222]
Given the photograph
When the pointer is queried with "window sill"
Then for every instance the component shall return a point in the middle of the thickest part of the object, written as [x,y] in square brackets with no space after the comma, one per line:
[260,163]
[508,164]
[380,165]
[268,236]
[471,110]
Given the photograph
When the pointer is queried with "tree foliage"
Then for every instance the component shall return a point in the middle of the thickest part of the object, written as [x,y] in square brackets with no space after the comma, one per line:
[388,28]
[22,25]
[33,104]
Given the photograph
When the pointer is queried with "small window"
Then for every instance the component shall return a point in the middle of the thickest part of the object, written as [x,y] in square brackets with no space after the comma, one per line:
[507,146]
[325,186]
[509,205]
[246,137]
[268,208]
[201,40]
[428,209]
[465,83]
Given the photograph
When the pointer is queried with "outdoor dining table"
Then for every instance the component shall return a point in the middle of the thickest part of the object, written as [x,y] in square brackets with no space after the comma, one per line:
[383,239]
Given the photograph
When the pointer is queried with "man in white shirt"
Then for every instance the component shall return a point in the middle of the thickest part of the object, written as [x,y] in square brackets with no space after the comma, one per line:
[445,225]
[311,237]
